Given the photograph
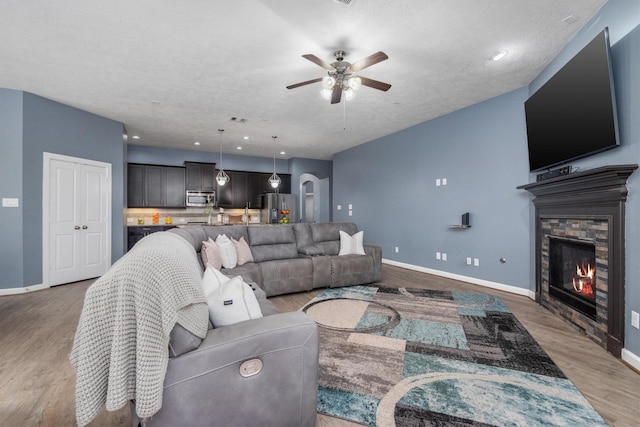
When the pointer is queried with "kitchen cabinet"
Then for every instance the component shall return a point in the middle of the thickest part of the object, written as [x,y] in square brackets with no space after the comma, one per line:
[200,176]
[155,186]
[246,188]
[134,234]
[224,193]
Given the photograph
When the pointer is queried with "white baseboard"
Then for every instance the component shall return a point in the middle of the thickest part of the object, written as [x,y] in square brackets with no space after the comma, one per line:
[631,359]
[24,290]
[472,280]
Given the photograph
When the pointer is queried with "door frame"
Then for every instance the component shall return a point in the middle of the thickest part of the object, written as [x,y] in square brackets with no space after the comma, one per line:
[47,158]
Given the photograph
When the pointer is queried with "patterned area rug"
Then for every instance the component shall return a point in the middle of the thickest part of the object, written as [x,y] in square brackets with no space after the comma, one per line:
[412,357]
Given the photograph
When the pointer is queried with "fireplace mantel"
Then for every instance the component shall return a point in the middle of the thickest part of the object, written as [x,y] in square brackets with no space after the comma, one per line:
[600,194]
[603,185]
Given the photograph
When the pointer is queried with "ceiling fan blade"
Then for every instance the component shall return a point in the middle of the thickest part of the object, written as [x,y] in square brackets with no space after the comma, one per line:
[336,94]
[308,82]
[375,84]
[318,61]
[368,61]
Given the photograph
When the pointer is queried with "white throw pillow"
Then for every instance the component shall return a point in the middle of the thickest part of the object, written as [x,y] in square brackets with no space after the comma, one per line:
[230,300]
[227,251]
[351,244]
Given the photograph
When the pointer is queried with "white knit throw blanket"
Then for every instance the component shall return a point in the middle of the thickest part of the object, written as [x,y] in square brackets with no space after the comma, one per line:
[120,351]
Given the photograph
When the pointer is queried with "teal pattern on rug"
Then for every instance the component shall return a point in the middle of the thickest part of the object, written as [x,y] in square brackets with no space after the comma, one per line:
[336,403]
[453,358]
[422,331]
[472,389]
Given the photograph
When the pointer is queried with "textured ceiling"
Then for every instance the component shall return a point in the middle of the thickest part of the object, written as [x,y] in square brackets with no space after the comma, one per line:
[174,72]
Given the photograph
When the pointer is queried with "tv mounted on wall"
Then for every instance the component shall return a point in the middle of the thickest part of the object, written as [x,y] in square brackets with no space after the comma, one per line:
[573,114]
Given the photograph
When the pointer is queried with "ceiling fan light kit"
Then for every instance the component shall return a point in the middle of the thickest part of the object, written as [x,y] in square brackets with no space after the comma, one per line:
[341,76]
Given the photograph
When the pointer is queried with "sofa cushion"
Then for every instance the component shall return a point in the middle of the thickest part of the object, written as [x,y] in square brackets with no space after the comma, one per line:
[350,270]
[311,250]
[274,242]
[303,234]
[282,277]
[326,236]
[330,231]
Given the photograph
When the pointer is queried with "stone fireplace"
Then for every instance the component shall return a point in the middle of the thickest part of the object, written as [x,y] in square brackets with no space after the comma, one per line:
[579,251]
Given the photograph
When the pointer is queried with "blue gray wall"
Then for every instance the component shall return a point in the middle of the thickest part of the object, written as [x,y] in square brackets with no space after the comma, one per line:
[48,126]
[391,185]
[11,224]
[482,151]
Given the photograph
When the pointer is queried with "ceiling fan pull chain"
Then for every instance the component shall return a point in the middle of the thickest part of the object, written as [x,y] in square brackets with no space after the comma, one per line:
[344,115]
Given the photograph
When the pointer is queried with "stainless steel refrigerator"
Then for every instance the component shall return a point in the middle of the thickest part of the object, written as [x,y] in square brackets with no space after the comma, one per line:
[273,205]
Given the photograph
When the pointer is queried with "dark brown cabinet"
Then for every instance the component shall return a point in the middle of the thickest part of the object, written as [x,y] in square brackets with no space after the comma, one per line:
[224,193]
[245,189]
[200,176]
[152,186]
[135,234]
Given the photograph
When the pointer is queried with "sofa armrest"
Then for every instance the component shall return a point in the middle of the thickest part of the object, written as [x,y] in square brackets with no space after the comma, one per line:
[376,253]
[207,383]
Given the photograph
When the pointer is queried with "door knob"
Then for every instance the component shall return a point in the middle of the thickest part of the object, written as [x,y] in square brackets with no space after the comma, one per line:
[76,227]
[84,227]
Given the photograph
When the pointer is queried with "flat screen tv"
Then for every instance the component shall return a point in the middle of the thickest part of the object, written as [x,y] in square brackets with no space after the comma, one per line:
[573,114]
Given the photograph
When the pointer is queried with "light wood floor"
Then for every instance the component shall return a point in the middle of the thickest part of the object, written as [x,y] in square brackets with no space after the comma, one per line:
[37,330]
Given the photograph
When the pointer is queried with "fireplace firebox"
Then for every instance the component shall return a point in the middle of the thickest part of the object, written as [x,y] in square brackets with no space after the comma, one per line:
[572,273]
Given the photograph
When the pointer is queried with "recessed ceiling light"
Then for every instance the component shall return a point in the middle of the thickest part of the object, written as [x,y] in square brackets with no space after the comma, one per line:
[238,148]
[245,137]
[497,56]
[283,153]
[135,137]
[196,143]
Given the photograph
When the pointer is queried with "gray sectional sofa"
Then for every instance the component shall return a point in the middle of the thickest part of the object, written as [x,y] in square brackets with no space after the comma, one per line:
[294,257]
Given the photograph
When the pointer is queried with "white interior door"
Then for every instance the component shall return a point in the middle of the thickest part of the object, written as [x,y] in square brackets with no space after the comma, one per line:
[78,212]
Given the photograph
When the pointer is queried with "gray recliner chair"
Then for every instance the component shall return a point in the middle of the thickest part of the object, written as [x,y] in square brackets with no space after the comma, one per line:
[260,372]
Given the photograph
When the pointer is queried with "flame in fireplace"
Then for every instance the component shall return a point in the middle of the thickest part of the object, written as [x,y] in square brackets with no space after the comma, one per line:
[583,282]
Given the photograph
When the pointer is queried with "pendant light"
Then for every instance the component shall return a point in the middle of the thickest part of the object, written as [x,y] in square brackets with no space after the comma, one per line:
[222,178]
[274,180]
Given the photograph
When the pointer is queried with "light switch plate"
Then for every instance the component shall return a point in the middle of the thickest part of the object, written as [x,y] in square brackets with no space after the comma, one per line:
[10,202]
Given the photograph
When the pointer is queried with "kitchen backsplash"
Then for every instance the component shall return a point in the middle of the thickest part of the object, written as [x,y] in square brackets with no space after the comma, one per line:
[145,216]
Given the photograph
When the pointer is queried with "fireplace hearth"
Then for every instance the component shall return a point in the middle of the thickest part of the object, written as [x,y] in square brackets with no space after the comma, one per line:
[580,250]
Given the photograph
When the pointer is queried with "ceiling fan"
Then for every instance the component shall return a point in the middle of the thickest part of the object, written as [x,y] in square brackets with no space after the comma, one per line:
[341,76]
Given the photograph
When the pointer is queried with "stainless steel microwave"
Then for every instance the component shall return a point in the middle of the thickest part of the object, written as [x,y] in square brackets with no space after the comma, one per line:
[201,198]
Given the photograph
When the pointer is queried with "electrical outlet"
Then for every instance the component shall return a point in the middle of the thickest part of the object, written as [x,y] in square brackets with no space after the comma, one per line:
[476,262]
[339,207]
[350,212]
[444,257]
[444,181]
[468,260]
[635,319]
[438,255]
[397,249]
[437,182]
